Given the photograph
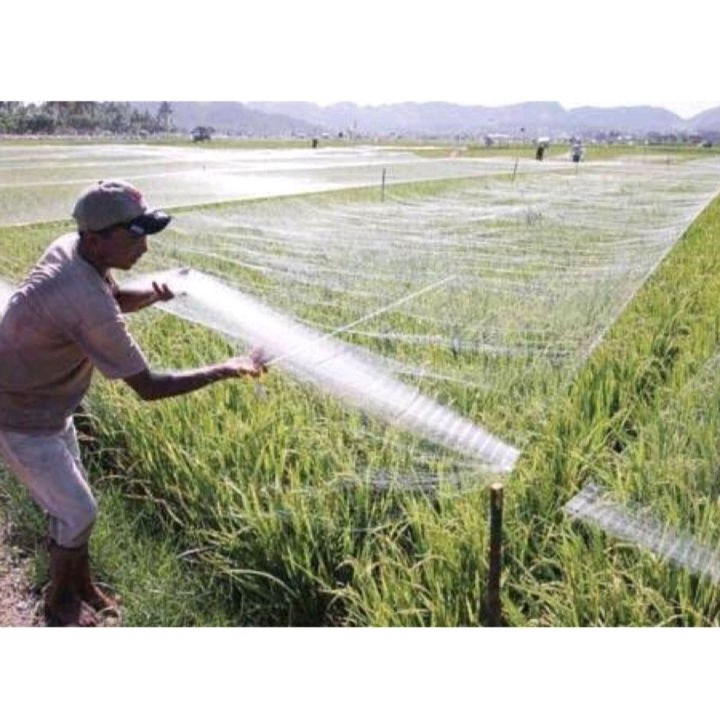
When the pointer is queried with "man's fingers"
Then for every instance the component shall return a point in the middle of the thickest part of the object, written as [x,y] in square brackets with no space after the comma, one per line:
[163,292]
[249,365]
[260,358]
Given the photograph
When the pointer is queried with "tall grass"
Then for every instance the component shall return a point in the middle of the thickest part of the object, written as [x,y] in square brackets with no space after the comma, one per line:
[627,423]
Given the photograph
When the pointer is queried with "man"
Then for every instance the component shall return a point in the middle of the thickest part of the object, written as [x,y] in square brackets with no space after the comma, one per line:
[577,151]
[65,319]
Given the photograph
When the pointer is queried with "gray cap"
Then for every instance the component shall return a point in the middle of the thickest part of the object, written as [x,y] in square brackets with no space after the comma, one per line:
[116,202]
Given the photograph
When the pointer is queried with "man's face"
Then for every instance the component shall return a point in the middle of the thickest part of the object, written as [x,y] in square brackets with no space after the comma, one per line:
[120,248]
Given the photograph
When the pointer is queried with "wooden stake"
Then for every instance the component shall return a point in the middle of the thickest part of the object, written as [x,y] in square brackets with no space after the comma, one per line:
[517,160]
[494,609]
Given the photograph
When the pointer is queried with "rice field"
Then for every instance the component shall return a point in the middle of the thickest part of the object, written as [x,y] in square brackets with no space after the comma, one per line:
[552,306]
[41,182]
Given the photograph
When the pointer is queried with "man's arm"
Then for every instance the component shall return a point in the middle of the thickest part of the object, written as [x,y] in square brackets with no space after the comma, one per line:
[133,300]
[150,385]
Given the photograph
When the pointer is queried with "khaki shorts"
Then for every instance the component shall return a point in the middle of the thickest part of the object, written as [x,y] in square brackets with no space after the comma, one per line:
[51,469]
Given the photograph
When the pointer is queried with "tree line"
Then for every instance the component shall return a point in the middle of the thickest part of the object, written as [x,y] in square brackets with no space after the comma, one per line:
[83,118]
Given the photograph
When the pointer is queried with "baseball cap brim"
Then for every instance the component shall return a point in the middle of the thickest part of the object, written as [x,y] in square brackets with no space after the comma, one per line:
[149,223]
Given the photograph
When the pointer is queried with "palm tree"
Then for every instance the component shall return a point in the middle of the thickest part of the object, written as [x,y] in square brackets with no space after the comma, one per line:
[164,116]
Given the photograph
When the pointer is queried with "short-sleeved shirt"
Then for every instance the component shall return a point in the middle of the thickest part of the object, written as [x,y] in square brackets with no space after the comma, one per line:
[58,325]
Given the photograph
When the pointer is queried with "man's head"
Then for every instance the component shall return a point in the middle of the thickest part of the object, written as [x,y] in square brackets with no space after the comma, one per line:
[113,220]
[116,202]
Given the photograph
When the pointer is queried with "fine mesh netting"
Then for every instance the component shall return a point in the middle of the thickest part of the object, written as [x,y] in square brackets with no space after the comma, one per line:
[478,297]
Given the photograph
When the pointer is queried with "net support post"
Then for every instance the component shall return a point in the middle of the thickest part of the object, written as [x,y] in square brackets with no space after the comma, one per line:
[493,607]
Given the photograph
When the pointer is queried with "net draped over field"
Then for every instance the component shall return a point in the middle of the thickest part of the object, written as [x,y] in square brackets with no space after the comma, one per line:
[537,268]
[42,183]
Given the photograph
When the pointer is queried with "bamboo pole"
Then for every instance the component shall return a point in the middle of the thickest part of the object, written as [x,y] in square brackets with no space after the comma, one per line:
[494,609]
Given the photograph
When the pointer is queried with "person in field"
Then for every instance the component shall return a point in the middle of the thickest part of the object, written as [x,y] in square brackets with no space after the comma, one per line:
[65,320]
[577,151]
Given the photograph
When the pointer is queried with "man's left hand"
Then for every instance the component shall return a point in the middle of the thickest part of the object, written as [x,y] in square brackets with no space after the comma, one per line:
[162,292]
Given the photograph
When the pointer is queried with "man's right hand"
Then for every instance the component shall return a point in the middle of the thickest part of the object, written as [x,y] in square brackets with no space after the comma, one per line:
[254,364]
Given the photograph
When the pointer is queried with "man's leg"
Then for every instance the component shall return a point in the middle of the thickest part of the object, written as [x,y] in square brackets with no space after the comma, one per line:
[88,589]
[64,605]
[49,466]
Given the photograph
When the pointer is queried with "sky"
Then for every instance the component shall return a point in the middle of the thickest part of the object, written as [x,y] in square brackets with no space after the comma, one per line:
[369,52]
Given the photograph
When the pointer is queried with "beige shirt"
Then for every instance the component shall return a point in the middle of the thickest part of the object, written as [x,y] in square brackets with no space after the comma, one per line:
[60,323]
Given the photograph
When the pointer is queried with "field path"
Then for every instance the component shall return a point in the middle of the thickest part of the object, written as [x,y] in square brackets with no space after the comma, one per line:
[18,599]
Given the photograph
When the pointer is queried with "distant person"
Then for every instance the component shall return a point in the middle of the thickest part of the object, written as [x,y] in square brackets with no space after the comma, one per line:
[63,321]
[577,151]
[540,152]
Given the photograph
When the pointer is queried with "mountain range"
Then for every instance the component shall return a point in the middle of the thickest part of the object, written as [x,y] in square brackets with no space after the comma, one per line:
[431,119]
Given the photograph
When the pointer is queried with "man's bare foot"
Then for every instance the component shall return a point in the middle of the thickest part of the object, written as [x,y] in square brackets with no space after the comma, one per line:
[105,603]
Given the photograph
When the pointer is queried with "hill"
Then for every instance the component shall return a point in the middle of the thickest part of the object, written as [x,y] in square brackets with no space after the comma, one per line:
[233,118]
[533,118]
[638,119]
[706,121]
[273,119]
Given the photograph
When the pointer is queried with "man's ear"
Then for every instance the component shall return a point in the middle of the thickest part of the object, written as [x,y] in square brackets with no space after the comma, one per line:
[90,243]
